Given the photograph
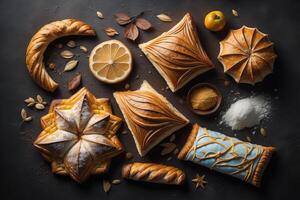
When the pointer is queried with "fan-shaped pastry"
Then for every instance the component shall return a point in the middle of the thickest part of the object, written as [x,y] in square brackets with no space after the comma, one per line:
[149,116]
[178,54]
[152,172]
[79,136]
[247,55]
[40,41]
[226,154]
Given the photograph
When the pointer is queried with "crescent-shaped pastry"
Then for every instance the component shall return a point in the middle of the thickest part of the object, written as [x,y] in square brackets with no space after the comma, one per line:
[178,54]
[152,172]
[79,136]
[247,55]
[40,41]
[149,116]
[226,154]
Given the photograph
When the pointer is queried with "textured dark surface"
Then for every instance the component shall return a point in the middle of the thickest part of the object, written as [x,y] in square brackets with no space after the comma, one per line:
[25,174]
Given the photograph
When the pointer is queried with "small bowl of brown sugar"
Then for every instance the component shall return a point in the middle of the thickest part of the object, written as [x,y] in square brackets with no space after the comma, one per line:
[204,99]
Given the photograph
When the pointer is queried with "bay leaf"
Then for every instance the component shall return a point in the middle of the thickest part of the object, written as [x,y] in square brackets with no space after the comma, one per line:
[131,32]
[143,23]
[122,18]
[70,65]
[74,82]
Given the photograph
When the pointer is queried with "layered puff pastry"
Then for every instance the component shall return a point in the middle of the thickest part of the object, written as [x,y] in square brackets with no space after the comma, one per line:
[149,116]
[152,172]
[226,154]
[247,55]
[40,41]
[178,54]
[79,136]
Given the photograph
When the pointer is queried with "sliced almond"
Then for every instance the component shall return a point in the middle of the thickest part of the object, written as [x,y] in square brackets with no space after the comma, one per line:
[116,181]
[106,185]
[83,48]
[67,54]
[100,15]
[70,65]
[39,99]
[39,106]
[234,12]
[164,18]
[27,119]
[29,100]
[71,44]
[23,114]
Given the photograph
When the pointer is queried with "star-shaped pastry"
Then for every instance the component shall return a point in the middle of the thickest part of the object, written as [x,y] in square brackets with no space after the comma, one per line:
[199,180]
[178,54]
[79,136]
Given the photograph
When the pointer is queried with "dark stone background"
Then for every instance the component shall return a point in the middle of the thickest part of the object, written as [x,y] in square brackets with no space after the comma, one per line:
[25,175]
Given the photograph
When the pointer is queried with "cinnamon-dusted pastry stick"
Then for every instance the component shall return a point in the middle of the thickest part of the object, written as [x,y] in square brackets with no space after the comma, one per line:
[226,154]
[149,116]
[178,54]
[40,41]
[152,172]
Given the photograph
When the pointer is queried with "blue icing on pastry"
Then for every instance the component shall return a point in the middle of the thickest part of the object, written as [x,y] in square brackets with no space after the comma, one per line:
[225,154]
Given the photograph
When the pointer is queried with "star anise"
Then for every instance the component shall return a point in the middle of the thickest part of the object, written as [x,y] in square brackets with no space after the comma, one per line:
[199,180]
[133,24]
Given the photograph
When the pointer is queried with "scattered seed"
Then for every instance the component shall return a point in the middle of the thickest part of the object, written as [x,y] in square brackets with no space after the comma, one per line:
[71,65]
[110,31]
[52,66]
[29,100]
[71,44]
[235,13]
[39,99]
[164,18]
[124,132]
[106,185]
[149,72]
[44,102]
[129,156]
[31,104]
[169,158]
[100,15]
[74,82]
[172,138]
[127,86]
[248,139]
[39,106]
[116,181]
[23,114]
[67,54]
[263,132]
[83,48]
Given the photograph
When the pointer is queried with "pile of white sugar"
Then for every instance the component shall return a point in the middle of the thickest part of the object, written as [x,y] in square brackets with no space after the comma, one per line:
[246,113]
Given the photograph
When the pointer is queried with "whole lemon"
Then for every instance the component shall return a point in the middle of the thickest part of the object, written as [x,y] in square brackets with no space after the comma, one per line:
[215,21]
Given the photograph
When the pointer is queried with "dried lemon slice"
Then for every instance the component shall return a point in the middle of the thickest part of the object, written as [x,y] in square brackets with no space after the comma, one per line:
[110,61]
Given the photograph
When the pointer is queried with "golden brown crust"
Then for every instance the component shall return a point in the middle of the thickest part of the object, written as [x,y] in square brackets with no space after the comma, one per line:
[189,142]
[152,172]
[261,165]
[247,55]
[40,41]
[178,54]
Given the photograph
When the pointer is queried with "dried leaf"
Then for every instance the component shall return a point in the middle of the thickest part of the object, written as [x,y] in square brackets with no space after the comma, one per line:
[234,12]
[74,82]
[39,106]
[143,23]
[83,48]
[100,15]
[71,65]
[106,185]
[23,114]
[131,32]
[39,99]
[71,44]
[116,181]
[29,100]
[164,18]
[110,31]
[168,149]
[122,18]
[172,138]
[66,54]
[263,132]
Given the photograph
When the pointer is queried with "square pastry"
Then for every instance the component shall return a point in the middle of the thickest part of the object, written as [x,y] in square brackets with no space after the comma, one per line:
[178,54]
[149,116]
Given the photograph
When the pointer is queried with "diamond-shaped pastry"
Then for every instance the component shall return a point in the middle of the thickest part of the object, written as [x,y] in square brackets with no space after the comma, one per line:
[178,54]
[149,116]
[79,136]
[247,55]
